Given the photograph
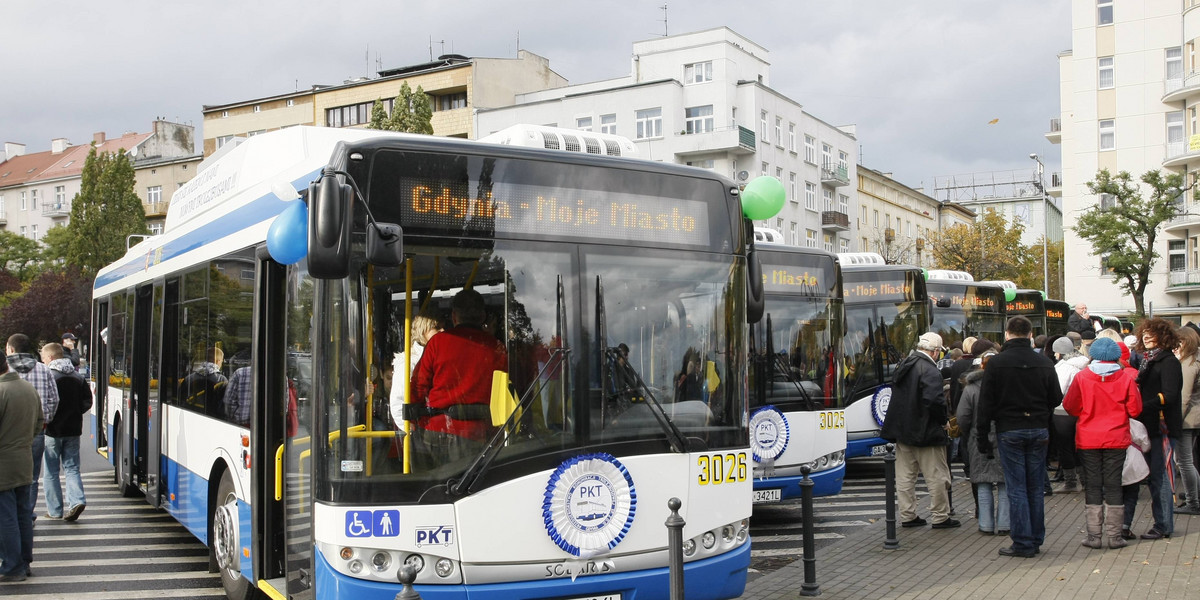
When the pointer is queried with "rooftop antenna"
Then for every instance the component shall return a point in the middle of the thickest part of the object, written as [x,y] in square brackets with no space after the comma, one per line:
[442,42]
[518,42]
[367,58]
[664,19]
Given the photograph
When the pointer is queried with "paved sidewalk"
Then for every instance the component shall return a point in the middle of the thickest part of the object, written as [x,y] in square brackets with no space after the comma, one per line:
[963,563]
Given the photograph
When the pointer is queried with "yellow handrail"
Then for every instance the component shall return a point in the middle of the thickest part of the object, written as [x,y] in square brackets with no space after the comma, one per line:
[407,382]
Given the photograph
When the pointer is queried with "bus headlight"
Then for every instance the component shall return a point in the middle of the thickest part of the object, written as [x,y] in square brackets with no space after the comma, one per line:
[381,561]
[355,566]
[415,561]
[743,530]
[708,540]
[346,553]
[728,534]
[443,567]
[689,547]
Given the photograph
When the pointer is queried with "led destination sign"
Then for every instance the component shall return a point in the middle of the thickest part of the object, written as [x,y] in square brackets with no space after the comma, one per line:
[972,301]
[807,281]
[878,292]
[1054,314]
[1021,307]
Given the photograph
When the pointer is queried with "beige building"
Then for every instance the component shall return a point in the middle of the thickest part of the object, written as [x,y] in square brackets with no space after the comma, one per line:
[895,220]
[36,190]
[456,85]
[1129,90]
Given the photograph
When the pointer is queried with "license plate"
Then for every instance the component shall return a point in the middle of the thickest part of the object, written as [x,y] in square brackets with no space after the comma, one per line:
[761,496]
[880,450]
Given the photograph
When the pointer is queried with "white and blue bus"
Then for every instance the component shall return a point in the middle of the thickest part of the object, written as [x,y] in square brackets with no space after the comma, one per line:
[886,310]
[249,398]
[795,375]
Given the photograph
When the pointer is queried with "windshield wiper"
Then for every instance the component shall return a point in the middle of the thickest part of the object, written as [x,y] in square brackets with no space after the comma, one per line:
[674,436]
[777,363]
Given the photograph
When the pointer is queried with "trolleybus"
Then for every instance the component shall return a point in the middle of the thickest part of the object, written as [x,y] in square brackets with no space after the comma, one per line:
[250,398]
[795,380]
[960,307]
[1058,313]
[886,311]
[1026,303]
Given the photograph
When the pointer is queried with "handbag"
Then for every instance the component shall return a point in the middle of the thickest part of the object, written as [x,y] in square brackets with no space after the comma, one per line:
[952,429]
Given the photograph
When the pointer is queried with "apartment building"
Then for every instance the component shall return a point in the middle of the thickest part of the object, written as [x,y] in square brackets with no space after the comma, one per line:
[456,85]
[1129,89]
[704,99]
[895,220]
[36,189]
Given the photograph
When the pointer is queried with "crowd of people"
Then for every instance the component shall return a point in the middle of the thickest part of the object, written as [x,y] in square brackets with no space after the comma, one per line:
[42,402]
[1108,414]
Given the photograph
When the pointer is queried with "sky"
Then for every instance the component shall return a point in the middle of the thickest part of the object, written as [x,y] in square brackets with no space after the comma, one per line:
[935,88]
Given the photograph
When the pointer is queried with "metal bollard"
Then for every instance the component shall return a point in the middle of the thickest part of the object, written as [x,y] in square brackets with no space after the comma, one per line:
[675,525]
[810,587]
[407,576]
[889,486]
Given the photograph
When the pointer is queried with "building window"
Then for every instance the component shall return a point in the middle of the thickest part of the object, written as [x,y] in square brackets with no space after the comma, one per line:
[1104,12]
[154,194]
[1106,72]
[762,127]
[649,123]
[792,137]
[33,232]
[810,238]
[1174,63]
[826,155]
[810,149]
[450,101]
[24,231]
[779,131]
[828,243]
[1108,134]
[810,196]
[765,168]
[844,204]
[843,245]
[255,132]
[608,124]
[1107,201]
[224,114]
[698,119]
[1175,128]
[827,196]
[289,104]
[864,246]
[33,199]
[697,72]
[843,161]
[257,108]
[703,164]
[1178,254]
[60,195]
[792,235]
[24,203]
[876,224]
[792,188]
[156,228]
[222,140]
[583,123]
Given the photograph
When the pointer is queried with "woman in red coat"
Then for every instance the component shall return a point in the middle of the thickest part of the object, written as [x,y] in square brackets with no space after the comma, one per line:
[1104,397]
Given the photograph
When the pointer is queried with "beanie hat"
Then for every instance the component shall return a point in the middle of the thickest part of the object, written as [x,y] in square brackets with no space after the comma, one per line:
[1105,350]
[1088,334]
[1064,346]
[1130,341]
[981,345]
[929,341]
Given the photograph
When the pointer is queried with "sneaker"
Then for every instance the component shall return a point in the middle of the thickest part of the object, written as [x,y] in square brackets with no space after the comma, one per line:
[1188,510]
[986,532]
[1127,534]
[1003,532]
[1010,551]
[50,516]
[74,512]
[12,577]
[1154,534]
[947,524]
[917,522]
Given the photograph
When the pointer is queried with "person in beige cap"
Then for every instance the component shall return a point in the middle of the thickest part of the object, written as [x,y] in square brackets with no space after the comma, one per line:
[916,422]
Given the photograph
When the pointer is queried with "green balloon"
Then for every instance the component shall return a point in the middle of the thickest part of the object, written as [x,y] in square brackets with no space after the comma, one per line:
[925,274]
[1010,294]
[763,198]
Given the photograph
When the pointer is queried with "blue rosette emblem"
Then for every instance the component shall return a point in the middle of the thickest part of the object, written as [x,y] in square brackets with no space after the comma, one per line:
[880,402]
[769,434]
[589,504]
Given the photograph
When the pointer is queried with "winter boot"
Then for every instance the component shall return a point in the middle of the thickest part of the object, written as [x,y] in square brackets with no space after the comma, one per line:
[1070,483]
[1114,516]
[1095,526]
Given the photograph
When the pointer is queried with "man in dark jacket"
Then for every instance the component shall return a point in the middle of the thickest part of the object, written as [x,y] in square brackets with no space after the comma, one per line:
[916,421]
[1079,320]
[1020,390]
[62,436]
[20,420]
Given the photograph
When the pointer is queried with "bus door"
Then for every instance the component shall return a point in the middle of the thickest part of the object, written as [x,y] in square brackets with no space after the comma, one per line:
[139,405]
[164,340]
[99,373]
[276,473]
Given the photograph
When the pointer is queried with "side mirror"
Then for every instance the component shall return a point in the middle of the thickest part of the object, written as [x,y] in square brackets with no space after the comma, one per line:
[330,214]
[385,244]
[756,302]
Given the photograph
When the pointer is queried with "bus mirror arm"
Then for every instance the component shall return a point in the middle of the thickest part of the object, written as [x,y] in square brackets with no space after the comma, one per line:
[385,244]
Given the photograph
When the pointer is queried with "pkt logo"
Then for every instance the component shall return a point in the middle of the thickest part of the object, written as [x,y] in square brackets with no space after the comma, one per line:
[442,535]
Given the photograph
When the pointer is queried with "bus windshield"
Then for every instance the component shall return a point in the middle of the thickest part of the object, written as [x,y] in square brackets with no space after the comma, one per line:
[961,310]
[885,313]
[592,346]
[1029,304]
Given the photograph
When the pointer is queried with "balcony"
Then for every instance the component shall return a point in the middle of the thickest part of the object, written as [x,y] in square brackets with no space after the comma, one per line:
[1178,154]
[1178,89]
[834,175]
[156,209]
[1055,133]
[737,140]
[1054,187]
[832,220]
[1184,281]
[56,210]
[1187,215]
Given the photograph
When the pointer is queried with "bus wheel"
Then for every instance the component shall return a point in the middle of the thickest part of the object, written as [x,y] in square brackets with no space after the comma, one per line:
[223,545]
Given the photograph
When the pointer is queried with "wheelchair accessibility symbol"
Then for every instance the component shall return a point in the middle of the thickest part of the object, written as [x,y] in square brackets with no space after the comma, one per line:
[372,523]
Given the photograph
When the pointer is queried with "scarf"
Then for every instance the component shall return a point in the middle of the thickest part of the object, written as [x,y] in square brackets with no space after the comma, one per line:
[1147,358]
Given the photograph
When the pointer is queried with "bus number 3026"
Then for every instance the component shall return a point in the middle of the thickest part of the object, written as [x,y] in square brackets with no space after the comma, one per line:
[722,468]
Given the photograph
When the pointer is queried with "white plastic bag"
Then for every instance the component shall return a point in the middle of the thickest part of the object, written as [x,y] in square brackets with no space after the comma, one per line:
[1136,468]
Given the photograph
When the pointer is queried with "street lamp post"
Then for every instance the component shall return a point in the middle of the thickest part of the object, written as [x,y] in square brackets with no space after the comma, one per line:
[1041,170]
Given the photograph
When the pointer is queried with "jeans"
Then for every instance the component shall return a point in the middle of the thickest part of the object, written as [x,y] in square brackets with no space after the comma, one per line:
[1023,457]
[39,448]
[1162,500]
[992,500]
[1185,458]
[62,452]
[16,530]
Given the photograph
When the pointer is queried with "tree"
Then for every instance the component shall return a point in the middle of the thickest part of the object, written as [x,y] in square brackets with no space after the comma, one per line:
[105,212]
[55,245]
[379,116]
[898,251]
[55,301]
[1032,275]
[19,255]
[990,248]
[411,111]
[1124,232]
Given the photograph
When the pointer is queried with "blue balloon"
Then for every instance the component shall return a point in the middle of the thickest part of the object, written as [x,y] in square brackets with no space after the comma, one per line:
[287,238]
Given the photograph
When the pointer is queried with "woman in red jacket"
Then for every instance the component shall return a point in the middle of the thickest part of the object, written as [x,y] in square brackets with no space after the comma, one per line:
[1104,397]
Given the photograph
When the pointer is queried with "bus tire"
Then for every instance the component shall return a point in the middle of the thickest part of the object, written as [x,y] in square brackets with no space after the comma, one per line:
[120,471]
[223,543]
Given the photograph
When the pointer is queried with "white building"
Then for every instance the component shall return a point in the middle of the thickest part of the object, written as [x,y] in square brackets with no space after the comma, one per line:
[1129,90]
[704,99]
[1017,195]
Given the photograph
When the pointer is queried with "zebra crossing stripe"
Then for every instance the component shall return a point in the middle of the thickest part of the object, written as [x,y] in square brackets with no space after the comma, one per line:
[122,594]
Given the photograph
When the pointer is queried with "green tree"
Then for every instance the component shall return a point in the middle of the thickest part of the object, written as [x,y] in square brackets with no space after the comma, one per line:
[379,116]
[54,302]
[1032,275]
[55,245]
[19,255]
[1125,232]
[989,248]
[105,212]
[411,111]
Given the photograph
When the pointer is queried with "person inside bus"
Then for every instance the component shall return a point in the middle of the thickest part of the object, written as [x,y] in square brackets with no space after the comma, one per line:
[204,388]
[452,386]
[424,327]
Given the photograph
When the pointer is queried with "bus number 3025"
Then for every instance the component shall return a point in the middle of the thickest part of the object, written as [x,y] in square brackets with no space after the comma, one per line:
[722,468]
